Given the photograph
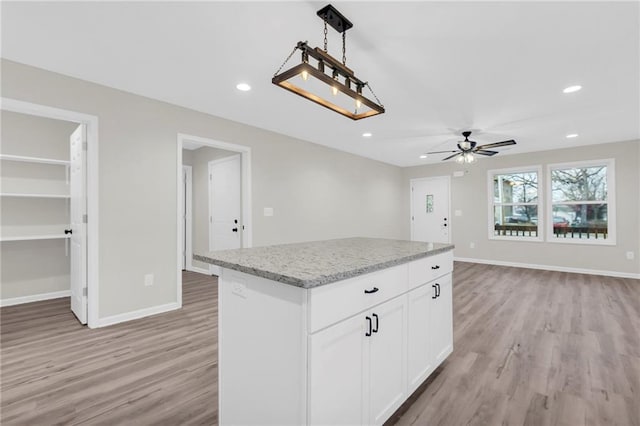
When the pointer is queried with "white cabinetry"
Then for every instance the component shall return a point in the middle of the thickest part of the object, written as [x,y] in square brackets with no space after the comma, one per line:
[363,344]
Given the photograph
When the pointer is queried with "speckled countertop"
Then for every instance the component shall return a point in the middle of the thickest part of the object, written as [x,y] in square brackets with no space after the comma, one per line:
[322,262]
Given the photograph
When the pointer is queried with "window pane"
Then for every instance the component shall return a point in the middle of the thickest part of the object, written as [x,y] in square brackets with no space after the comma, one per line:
[516,221]
[579,184]
[580,221]
[515,188]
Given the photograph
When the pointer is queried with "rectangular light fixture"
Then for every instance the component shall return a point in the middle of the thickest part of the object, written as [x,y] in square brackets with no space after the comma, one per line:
[339,89]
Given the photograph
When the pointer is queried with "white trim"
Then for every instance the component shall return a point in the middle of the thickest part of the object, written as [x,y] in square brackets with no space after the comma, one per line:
[34,298]
[245,165]
[210,165]
[188,170]
[550,268]
[490,204]
[610,163]
[91,123]
[37,160]
[198,270]
[411,181]
[141,313]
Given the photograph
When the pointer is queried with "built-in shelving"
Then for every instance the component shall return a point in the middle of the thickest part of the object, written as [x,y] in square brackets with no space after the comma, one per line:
[34,232]
[24,195]
[34,237]
[25,159]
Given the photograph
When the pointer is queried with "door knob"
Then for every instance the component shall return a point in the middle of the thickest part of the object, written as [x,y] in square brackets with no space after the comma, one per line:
[235,229]
[68,231]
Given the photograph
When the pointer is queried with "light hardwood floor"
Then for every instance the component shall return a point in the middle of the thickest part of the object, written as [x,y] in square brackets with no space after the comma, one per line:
[531,348]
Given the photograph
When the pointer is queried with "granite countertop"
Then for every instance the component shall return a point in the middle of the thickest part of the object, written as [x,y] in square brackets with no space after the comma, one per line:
[317,263]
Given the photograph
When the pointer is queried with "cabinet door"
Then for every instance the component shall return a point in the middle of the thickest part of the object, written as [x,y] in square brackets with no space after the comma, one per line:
[420,362]
[336,368]
[387,359]
[441,318]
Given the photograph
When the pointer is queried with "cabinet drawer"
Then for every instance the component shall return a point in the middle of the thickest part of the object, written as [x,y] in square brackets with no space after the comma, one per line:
[429,268]
[331,303]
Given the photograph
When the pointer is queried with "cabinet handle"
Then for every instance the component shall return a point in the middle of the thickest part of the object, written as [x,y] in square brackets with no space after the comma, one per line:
[435,294]
[368,333]
[68,231]
[435,267]
[373,290]
[375,330]
[437,290]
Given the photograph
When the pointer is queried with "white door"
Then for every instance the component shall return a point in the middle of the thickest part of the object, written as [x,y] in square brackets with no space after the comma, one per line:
[336,373]
[78,209]
[430,220]
[419,354]
[225,227]
[387,360]
[441,320]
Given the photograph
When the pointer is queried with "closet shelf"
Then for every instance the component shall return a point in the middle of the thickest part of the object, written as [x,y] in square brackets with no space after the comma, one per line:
[34,237]
[25,159]
[23,195]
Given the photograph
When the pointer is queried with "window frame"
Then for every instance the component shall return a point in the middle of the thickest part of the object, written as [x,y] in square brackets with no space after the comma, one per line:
[611,202]
[490,192]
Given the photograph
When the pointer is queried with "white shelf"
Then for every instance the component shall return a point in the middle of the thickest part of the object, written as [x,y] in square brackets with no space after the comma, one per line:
[25,159]
[22,195]
[35,237]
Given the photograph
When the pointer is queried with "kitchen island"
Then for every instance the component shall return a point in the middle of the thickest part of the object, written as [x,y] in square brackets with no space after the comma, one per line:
[329,332]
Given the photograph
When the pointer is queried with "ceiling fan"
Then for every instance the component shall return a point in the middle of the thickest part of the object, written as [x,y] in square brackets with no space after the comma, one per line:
[467,149]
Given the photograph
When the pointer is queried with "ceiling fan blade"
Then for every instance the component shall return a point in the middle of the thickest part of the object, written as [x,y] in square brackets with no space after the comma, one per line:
[451,156]
[484,152]
[497,144]
[440,152]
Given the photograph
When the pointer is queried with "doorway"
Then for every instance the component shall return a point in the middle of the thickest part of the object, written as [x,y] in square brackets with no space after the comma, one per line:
[430,209]
[225,158]
[80,194]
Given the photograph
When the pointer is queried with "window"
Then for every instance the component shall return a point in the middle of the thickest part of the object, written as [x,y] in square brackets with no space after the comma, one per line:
[514,201]
[581,207]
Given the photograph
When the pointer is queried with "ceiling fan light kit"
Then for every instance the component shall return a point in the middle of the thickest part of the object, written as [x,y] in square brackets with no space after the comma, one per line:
[328,82]
[467,150]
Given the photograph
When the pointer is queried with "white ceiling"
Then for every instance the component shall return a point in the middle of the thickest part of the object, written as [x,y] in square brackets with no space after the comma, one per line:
[439,67]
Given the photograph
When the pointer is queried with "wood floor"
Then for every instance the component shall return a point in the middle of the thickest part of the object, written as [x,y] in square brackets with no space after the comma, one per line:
[531,348]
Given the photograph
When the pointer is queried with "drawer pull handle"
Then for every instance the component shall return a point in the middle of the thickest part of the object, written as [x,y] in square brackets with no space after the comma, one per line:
[368,333]
[373,290]
[435,267]
[435,294]
[437,290]
[375,330]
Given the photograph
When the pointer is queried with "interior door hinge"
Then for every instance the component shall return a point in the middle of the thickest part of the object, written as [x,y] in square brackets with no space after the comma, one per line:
[412,218]
[84,146]
[84,291]
[84,218]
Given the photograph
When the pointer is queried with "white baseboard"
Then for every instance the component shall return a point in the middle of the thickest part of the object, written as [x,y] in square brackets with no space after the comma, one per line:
[550,268]
[129,316]
[34,298]
[198,270]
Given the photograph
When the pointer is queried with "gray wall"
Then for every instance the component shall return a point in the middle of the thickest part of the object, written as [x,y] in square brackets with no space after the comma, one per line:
[469,194]
[33,267]
[316,192]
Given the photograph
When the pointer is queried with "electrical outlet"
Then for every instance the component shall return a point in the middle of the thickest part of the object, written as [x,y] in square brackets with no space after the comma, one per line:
[239,289]
[148,280]
[630,255]
[472,245]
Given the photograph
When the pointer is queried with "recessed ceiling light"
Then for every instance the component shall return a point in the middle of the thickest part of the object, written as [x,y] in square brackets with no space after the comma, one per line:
[244,87]
[423,156]
[572,89]
[367,135]
[572,135]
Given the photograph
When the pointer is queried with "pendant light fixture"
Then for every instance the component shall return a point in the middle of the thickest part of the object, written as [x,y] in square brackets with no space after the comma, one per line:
[323,79]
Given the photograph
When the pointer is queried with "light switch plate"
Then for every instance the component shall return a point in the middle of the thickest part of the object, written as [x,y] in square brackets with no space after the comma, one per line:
[268,211]
[458,213]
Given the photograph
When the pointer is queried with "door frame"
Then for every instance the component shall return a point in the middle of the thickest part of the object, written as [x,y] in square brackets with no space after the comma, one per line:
[210,166]
[188,237]
[245,167]
[411,181]
[92,235]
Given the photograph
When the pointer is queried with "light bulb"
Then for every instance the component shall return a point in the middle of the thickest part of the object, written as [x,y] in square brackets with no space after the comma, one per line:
[460,159]
[334,90]
[358,103]
[305,75]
